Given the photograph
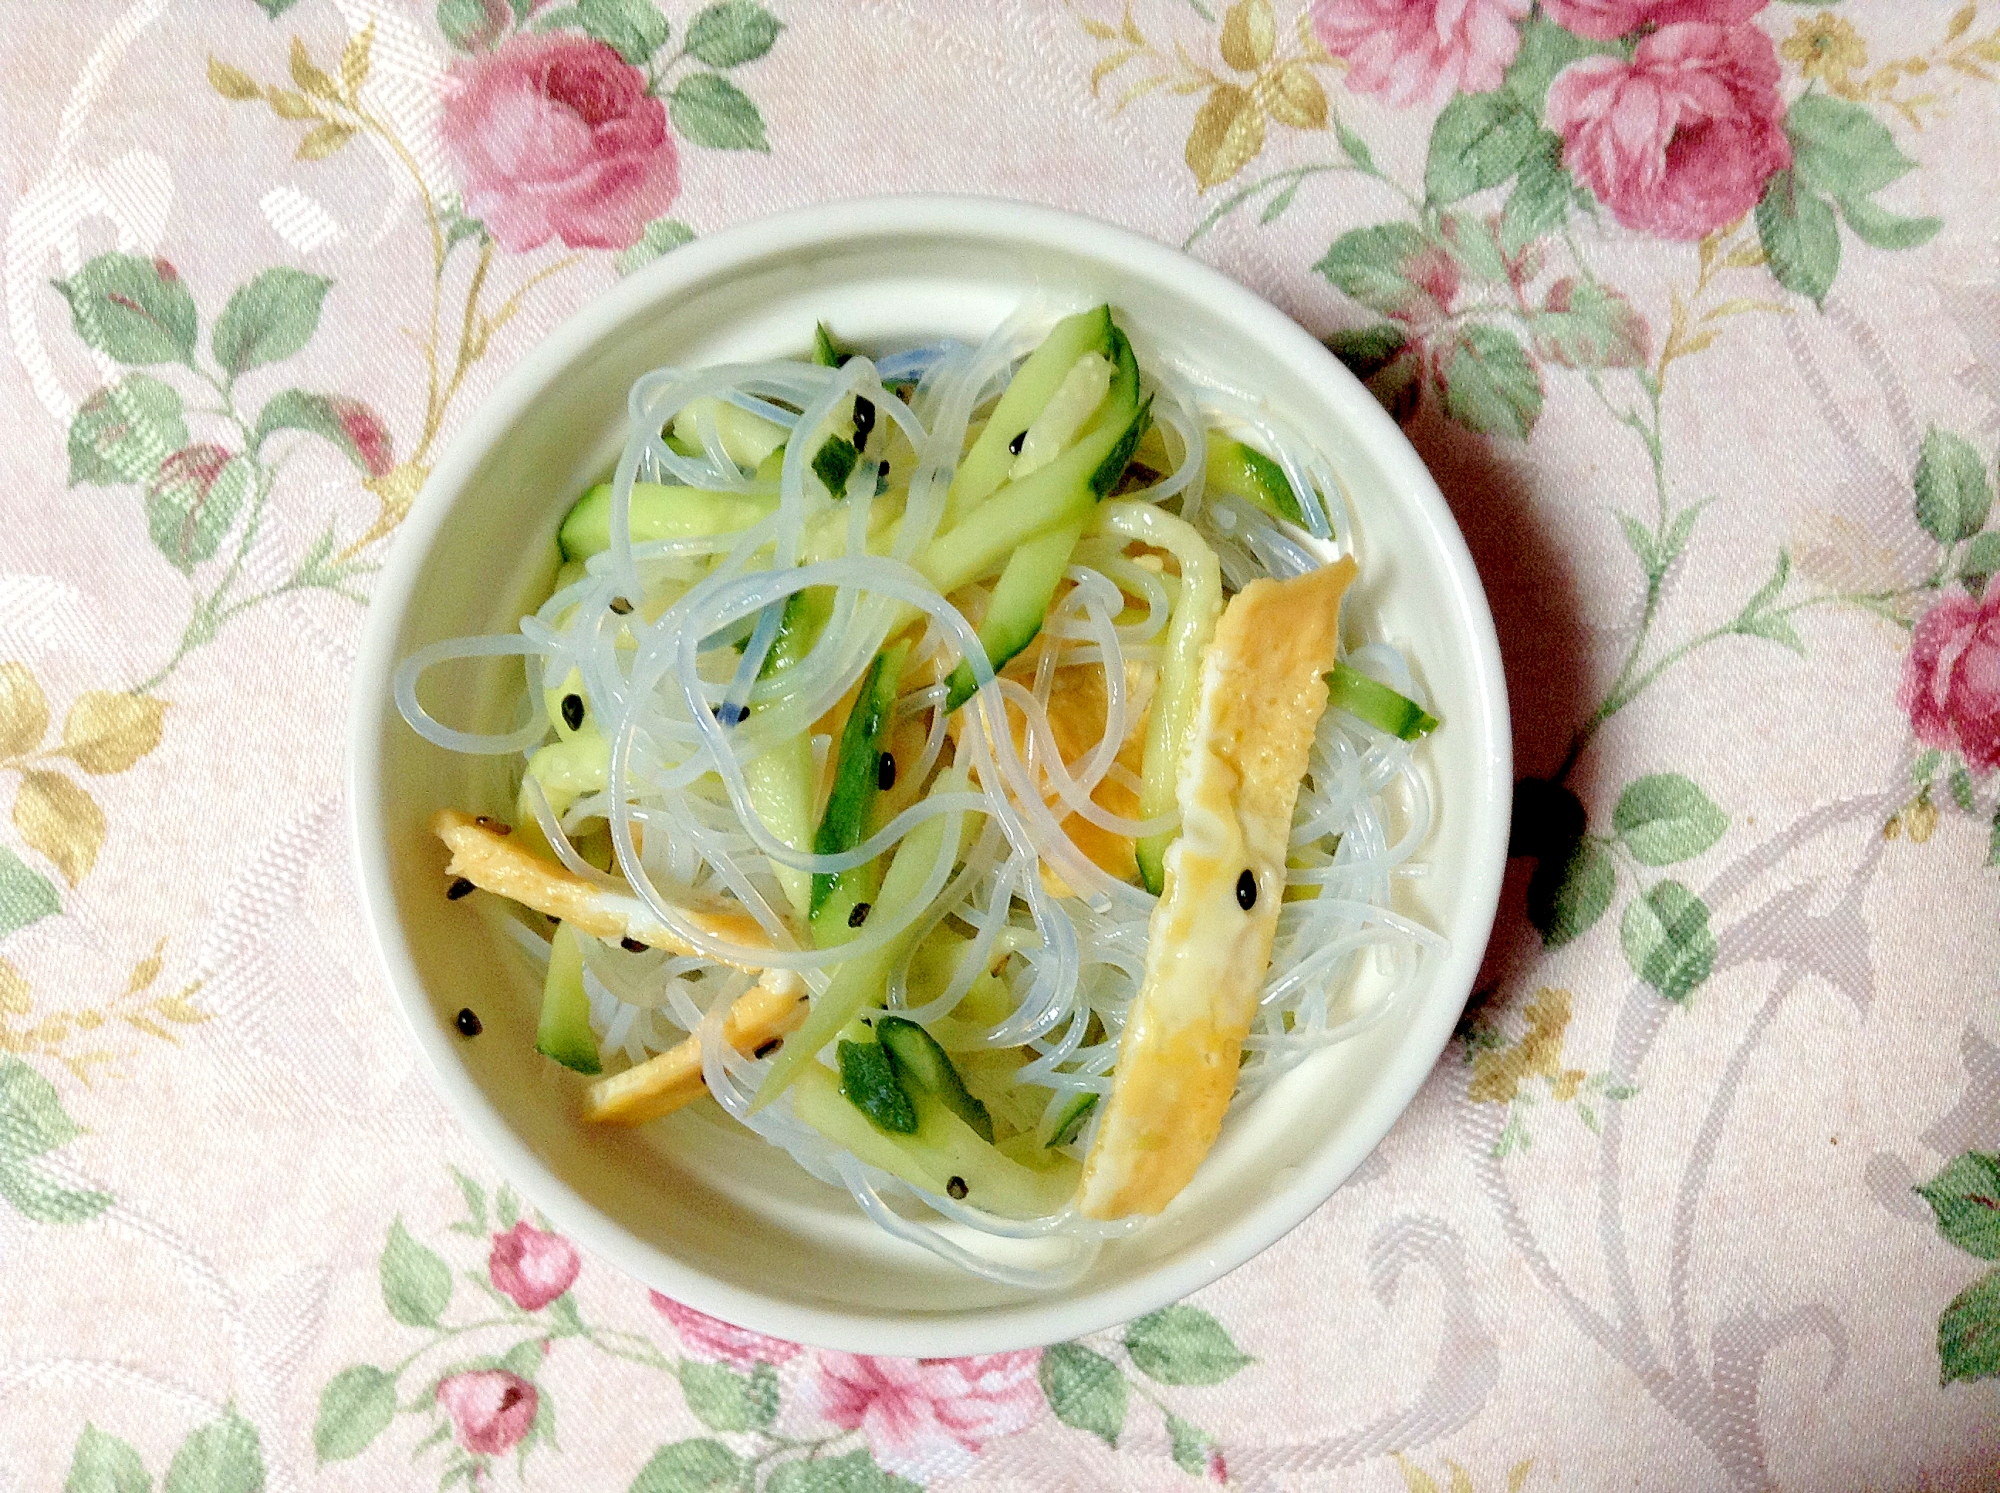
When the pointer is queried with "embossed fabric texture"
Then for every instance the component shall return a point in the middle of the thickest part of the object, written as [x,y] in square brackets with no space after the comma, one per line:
[1693,307]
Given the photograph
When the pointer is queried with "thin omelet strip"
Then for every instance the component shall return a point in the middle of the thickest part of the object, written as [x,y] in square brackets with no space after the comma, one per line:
[488,857]
[1263,688]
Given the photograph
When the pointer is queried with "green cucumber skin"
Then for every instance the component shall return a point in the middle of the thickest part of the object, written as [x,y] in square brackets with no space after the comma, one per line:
[868,1078]
[826,352]
[943,1147]
[780,782]
[1248,473]
[834,463]
[985,466]
[1064,491]
[1069,1124]
[659,512]
[1375,703]
[919,1061]
[1020,602]
[563,1032]
[856,785]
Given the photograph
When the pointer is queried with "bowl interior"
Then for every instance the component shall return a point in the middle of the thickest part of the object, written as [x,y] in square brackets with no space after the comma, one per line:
[692,1204]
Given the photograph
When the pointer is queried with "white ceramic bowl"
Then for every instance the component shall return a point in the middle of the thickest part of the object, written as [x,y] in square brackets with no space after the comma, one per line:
[693,1205]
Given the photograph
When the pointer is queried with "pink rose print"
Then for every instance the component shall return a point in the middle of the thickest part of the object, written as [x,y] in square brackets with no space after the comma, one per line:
[713,1341]
[555,136]
[365,429]
[1420,51]
[1951,684]
[530,1267]
[1604,20]
[926,1417]
[1681,139]
[490,1409]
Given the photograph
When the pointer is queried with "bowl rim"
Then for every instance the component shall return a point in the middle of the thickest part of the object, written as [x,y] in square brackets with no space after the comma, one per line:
[1034,1321]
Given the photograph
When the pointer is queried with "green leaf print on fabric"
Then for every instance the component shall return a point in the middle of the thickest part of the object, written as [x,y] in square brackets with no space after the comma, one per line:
[193,502]
[732,33]
[1369,264]
[710,110]
[1192,1446]
[1490,385]
[661,236]
[1965,1196]
[132,309]
[724,1400]
[354,1409]
[267,320]
[853,1472]
[1387,361]
[102,1463]
[124,431]
[1953,495]
[33,1123]
[1667,940]
[1479,141]
[1567,902]
[1085,1390]
[224,1456]
[634,29]
[1801,237]
[1969,1332]
[347,425]
[1183,1345]
[693,1467]
[1666,818]
[416,1282]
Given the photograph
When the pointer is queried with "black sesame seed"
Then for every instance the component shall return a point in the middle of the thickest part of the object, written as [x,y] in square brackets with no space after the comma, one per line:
[882,470]
[572,712]
[631,946]
[767,1048]
[885,773]
[620,605]
[864,422]
[957,1188]
[468,1023]
[728,714]
[858,916]
[1014,446]
[1246,891]
[459,888]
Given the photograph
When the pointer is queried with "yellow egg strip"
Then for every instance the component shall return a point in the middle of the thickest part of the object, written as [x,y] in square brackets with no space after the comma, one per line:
[1263,689]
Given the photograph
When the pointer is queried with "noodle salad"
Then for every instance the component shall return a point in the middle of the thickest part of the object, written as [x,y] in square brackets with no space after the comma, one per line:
[950,764]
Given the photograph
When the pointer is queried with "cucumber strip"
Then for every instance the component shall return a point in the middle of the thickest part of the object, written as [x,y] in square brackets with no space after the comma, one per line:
[1075,400]
[868,1079]
[1248,473]
[1379,706]
[1020,602]
[779,782]
[834,463]
[826,352]
[747,438]
[922,1064]
[985,466]
[1062,492]
[660,512]
[862,981]
[1189,632]
[943,1150]
[1070,1120]
[571,768]
[567,719]
[850,805]
[564,1031]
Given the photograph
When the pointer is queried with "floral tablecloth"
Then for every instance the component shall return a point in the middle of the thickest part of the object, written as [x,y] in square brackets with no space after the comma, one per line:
[1692,305]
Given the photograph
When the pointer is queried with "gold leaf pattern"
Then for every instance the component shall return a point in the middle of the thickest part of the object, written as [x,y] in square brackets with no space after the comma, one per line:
[1227,135]
[24,711]
[1497,1073]
[310,77]
[61,821]
[107,733]
[231,82]
[1294,97]
[288,105]
[1249,33]
[15,999]
[322,141]
[355,58]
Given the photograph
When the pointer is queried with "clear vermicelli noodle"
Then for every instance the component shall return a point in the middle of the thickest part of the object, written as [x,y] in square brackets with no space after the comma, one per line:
[889,908]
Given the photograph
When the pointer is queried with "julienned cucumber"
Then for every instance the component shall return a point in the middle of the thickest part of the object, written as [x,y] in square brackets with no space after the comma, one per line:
[1070,1120]
[922,1064]
[1060,493]
[780,780]
[1351,690]
[660,512]
[869,1079]
[746,438]
[944,1155]
[1248,473]
[837,895]
[1020,601]
[564,1032]
[864,980]
[985,466]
